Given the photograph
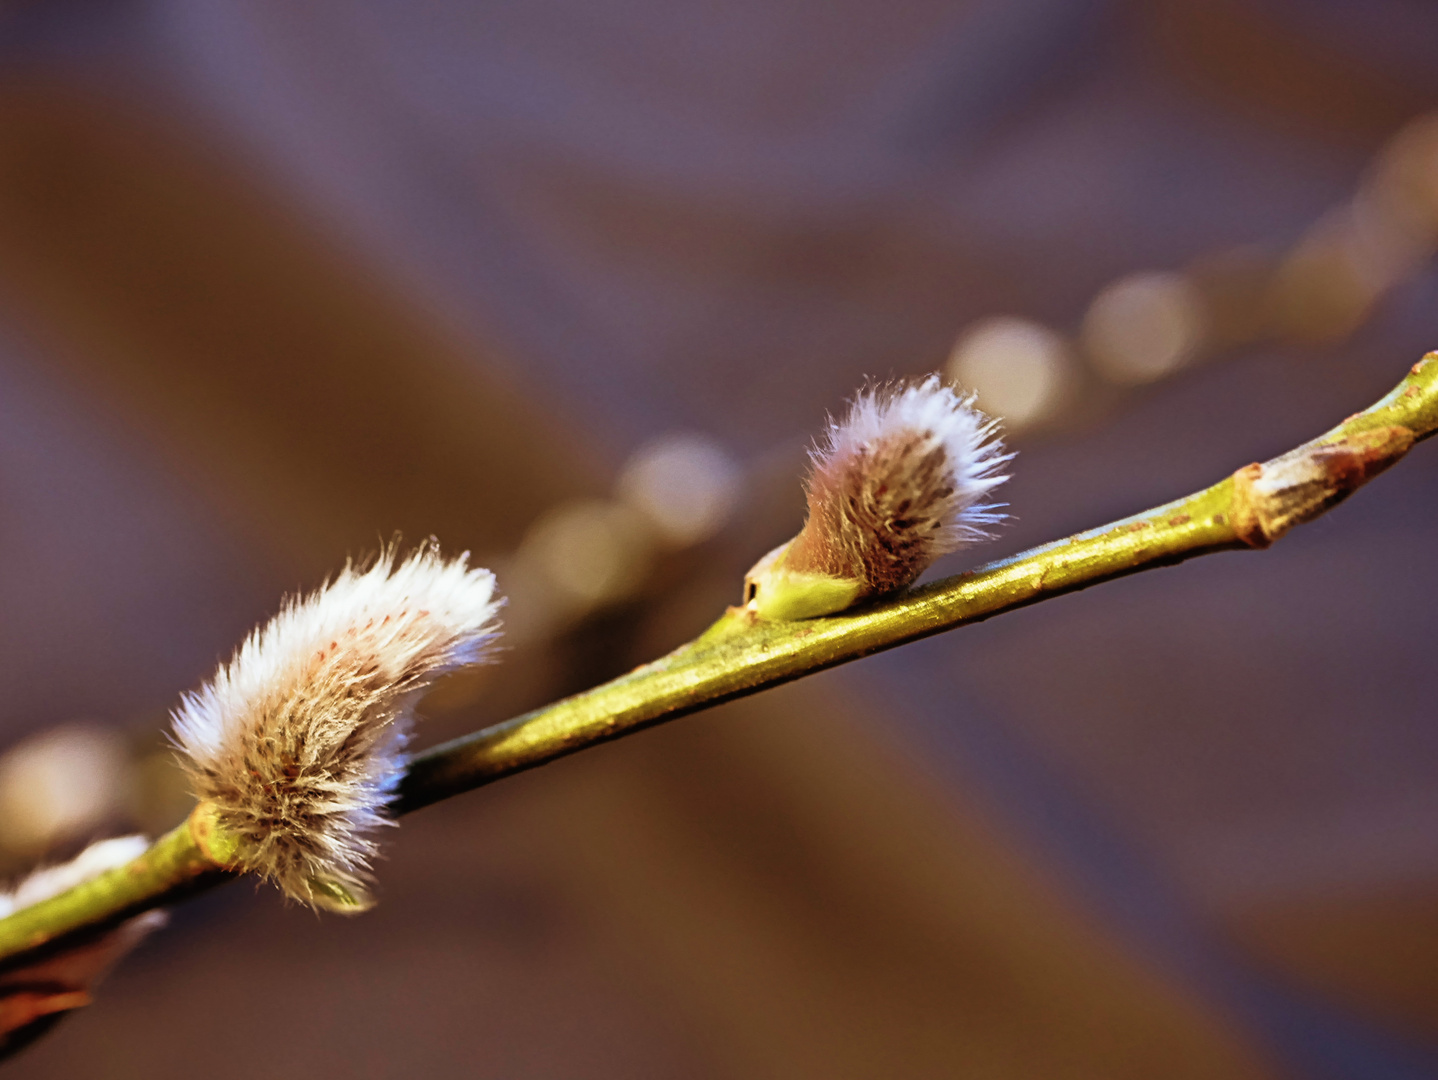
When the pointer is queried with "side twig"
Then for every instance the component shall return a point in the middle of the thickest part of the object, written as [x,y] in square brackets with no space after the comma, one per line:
[741,654]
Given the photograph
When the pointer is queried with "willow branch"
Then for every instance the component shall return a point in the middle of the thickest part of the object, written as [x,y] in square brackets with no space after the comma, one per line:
[740,654]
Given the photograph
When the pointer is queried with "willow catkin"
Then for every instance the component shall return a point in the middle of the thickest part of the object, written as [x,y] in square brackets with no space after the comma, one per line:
[298,741]
[903,478]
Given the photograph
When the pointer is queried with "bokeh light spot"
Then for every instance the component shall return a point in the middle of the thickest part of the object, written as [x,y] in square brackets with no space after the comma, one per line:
[685,484]
[1015,366]
[589,551]
[59,784]
[1143,327]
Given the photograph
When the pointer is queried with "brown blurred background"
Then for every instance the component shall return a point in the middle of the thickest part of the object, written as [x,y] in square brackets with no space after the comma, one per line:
[569,283]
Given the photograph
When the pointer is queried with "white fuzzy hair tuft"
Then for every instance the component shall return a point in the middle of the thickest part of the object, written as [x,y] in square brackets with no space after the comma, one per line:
[903,478]
[298,741]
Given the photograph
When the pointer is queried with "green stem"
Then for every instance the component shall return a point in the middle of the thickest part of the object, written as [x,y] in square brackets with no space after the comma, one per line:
[183,861]
[740,654]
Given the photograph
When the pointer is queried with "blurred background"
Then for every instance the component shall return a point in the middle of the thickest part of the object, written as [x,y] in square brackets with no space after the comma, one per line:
[570,284]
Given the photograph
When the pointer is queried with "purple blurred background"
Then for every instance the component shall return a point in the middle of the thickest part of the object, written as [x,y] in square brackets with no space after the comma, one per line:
[279,281]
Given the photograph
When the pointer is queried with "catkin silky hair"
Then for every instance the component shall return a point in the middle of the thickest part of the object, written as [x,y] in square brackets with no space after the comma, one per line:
[297,742]
[903,478]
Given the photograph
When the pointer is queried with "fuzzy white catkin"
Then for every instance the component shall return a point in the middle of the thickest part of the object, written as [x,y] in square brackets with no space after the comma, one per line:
[880,447]
[903,478]
[298,741]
